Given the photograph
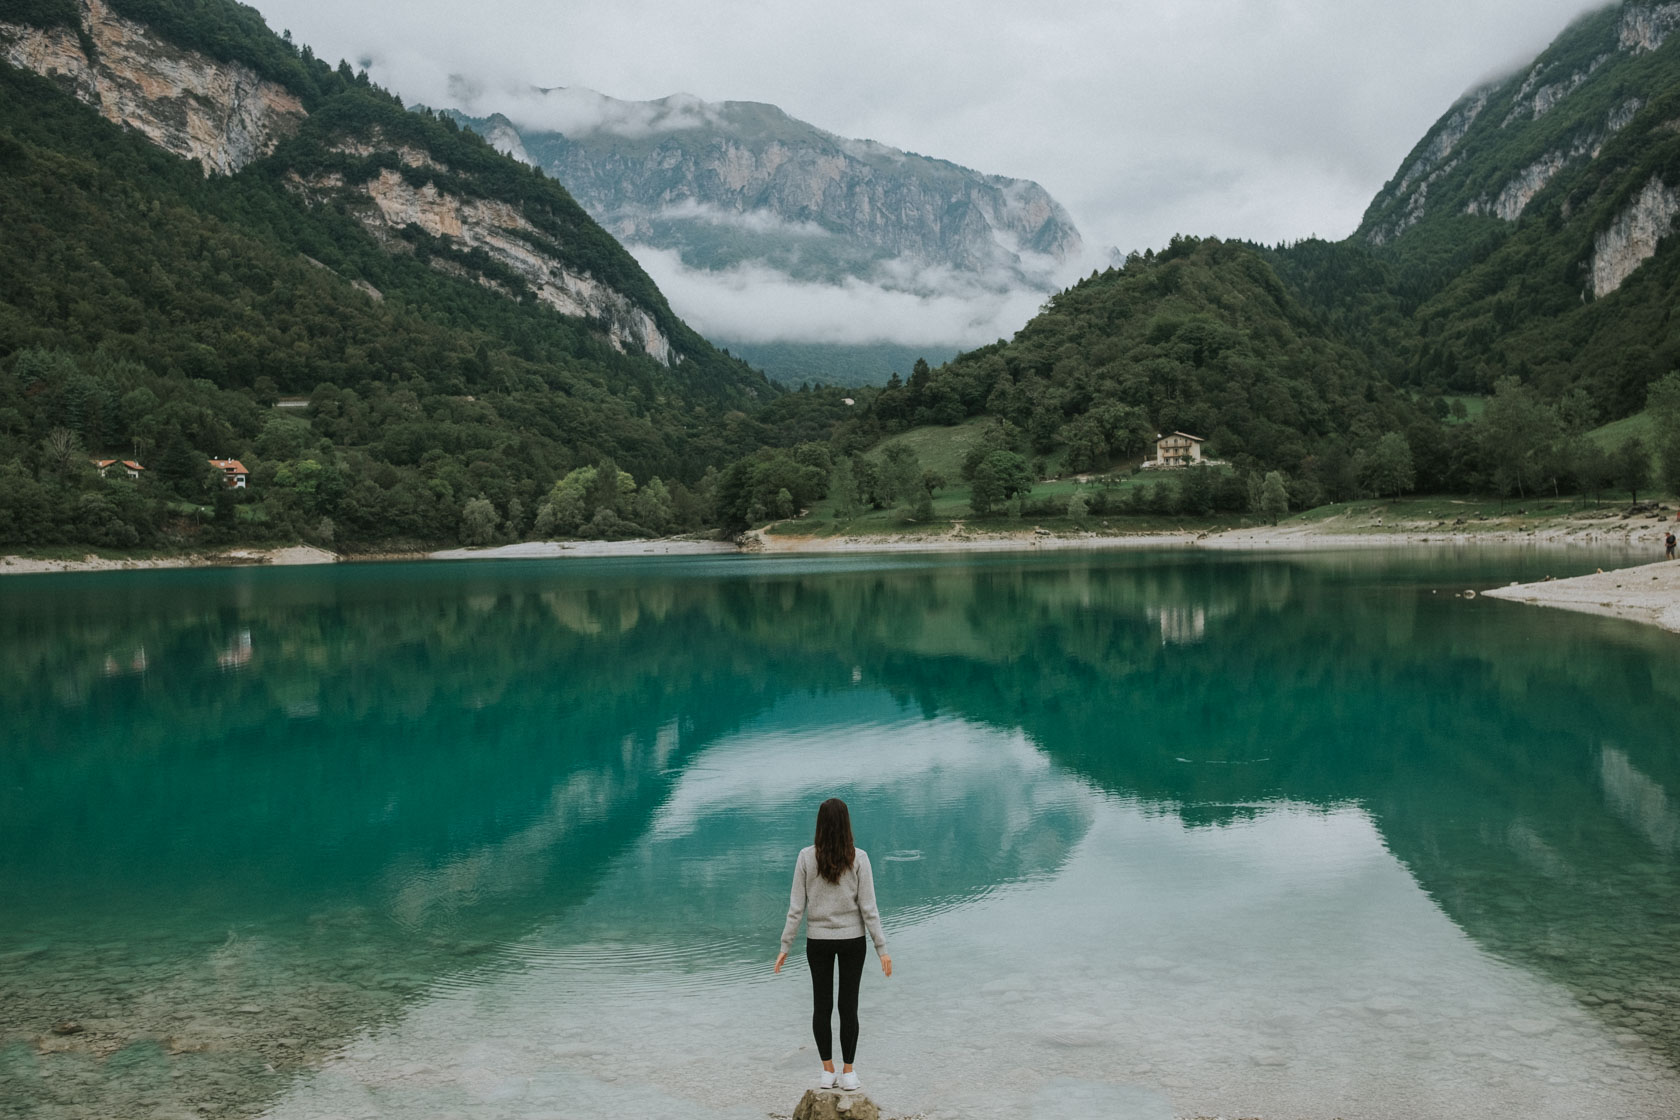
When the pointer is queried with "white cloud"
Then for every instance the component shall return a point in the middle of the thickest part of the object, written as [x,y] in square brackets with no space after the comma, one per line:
[753,221]
[1262,119]
[754,303]
[1265,119]
[576,110]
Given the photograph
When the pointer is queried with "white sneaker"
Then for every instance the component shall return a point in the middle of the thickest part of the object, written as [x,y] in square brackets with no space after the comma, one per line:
[826,1081]
[849,1082]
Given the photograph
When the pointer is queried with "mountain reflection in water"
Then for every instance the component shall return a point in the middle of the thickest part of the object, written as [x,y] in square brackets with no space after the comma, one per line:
[325,795]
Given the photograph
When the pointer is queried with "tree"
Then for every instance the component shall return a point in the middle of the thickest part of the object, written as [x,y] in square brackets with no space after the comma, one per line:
[651,507]
[479,521]
[1387,467]
[1087,449]
[63,447]
[1518,433]
[1000,477]
[1663,401]
[1274,496]
[1630,466]
[901,473]
[842,486]
[1195,490]
[566,509]
[1077,506]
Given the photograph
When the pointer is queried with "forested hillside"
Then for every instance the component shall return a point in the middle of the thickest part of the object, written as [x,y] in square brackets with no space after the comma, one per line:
[151,309]
[1520,257]
[410,338]
[1526,234]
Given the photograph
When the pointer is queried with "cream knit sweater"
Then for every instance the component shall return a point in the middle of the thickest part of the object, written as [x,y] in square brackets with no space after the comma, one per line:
[833,911]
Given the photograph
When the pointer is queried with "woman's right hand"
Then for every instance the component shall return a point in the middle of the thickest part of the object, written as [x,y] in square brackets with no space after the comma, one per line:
[886,966]
[781,959]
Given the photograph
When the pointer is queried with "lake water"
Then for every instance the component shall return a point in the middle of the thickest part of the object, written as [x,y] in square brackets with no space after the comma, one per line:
[1154,834]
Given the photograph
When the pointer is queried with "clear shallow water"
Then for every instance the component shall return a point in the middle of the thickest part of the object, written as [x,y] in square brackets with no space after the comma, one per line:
[1153,834]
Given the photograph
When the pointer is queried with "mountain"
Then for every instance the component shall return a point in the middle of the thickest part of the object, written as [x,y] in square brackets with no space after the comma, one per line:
[1522,252]
[1526,234]
[741,185]
[203,217]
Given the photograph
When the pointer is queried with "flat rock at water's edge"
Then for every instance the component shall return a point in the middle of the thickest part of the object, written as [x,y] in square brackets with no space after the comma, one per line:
[835,1104]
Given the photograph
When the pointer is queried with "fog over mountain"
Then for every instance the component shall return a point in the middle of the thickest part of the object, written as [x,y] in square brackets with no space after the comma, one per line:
[764,228]
[1252,118]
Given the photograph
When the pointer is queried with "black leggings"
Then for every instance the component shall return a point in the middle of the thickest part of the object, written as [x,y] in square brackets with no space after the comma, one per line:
[821,955]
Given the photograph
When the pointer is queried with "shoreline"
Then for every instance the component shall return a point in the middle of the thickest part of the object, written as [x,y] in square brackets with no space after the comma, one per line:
[289,556]
[1646,593]
[1653,599]
[1329,535]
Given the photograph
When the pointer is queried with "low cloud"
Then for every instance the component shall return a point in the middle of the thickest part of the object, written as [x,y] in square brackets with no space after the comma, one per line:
[1264,119]
[753,221]
[577,111]
[924,307]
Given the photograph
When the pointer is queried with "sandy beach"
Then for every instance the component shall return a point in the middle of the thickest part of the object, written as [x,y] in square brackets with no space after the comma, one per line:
[1649,593]
[232,558]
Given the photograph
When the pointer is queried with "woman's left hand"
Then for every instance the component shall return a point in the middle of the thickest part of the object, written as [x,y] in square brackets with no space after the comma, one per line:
[782,959]
[886,966]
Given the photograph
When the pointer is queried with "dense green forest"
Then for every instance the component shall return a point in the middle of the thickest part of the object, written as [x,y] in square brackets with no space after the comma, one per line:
[150,311]
[1205,337]
[412,388]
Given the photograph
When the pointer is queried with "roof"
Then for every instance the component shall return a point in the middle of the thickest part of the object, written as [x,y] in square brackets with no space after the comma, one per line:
[233,466]
[1186,435]
[129,463]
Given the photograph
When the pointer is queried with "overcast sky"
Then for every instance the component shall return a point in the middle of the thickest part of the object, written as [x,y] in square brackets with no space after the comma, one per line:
[1263,119]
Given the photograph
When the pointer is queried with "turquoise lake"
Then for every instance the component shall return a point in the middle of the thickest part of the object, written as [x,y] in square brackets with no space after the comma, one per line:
[1155,834]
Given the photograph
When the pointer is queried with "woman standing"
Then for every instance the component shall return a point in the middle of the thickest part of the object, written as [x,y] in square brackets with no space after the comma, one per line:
[834,891]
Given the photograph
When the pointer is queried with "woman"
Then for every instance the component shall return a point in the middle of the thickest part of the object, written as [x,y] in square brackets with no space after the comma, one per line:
[834,891]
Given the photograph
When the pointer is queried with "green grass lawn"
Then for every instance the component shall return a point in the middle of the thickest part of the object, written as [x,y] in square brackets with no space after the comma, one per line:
[1610,436]
[951,505]
[1458,513]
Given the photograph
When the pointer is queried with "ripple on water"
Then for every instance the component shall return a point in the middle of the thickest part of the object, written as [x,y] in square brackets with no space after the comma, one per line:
[622,969]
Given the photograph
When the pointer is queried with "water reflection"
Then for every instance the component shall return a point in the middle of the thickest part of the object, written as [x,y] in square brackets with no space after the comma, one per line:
[326,795]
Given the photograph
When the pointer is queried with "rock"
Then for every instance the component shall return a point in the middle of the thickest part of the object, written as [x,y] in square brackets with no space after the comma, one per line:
[834,1104]
[68,1026]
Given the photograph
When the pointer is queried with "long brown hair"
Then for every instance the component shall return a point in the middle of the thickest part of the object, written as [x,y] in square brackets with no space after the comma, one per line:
[835,850]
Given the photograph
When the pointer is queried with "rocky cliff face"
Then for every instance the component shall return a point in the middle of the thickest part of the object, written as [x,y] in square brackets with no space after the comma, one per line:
[730,183]
[225,115]
[1503,144]
[387,203]
[222,114]
[1632,238]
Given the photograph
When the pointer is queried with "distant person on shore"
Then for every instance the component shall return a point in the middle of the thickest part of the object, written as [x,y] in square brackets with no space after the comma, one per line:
[1669,541]
[834,891]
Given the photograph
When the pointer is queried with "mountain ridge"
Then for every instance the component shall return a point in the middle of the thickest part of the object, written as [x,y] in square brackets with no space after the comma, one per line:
[630,163]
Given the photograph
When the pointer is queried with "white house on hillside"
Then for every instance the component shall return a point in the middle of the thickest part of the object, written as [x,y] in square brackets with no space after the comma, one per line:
[1176,449]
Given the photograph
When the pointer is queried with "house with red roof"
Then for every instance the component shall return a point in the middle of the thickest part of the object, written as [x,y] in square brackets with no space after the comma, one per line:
[233,471]
[127,466]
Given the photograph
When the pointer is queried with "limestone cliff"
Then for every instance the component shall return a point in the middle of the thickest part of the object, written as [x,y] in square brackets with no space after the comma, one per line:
[222,114]
[388,202]
[226,115]
[1632,238]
